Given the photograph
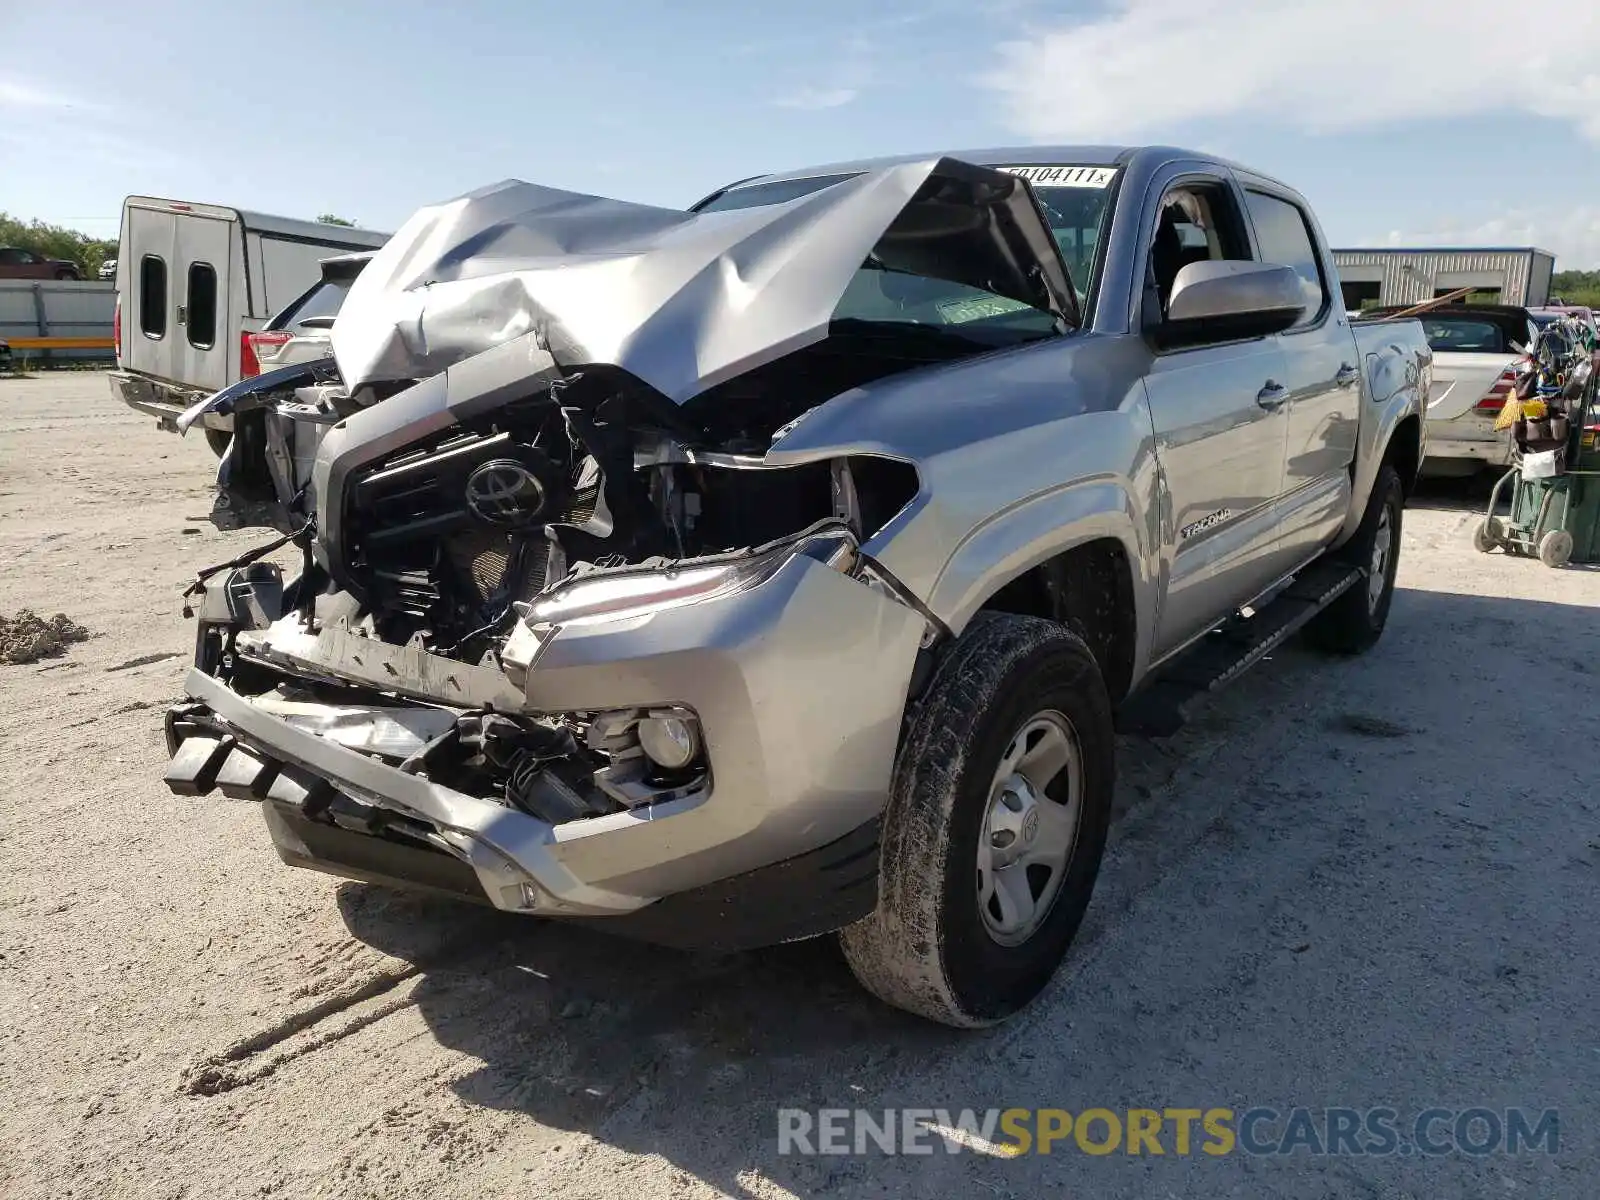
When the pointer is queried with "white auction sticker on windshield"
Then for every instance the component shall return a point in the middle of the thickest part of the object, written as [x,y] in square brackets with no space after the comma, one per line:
[1064,176]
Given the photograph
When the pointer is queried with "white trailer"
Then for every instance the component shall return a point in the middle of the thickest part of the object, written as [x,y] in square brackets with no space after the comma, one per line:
[194,279]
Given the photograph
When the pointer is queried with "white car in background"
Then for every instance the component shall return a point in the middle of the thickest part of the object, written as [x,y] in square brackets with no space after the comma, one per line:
[1477,350]
[300,333]
[303,331]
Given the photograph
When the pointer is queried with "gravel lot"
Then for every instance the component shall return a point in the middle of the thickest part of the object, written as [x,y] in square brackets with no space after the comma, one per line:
[1349,884]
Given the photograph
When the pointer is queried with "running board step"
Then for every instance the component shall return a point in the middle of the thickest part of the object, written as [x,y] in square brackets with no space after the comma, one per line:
[1161,707]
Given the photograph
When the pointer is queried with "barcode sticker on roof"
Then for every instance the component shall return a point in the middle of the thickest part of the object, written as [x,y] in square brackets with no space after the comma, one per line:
[1064,176]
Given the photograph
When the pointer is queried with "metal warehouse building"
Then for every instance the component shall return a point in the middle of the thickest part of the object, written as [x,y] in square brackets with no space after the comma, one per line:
[1497,275]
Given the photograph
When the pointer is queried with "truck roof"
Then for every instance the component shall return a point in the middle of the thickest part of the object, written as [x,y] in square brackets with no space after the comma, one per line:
[344,236]
[1089,156]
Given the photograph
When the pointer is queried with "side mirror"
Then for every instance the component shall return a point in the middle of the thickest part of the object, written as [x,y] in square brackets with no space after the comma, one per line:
[1224,300]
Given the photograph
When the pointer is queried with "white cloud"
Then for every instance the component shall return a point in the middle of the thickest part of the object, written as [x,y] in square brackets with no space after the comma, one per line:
[816,98]
[1572,234]
[49,129]
[1147,65]
[16,94]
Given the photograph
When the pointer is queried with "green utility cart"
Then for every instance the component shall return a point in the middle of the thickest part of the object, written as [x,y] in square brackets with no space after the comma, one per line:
[1555,505]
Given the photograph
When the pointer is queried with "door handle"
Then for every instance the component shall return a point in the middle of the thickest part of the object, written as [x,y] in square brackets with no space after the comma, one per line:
[1272,395]
[183,314]
[1347,375]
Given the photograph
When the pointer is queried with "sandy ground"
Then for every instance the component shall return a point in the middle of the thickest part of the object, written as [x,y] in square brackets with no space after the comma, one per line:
[1349,884]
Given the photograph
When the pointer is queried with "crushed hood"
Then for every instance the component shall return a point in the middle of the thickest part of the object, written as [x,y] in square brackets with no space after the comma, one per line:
[681,300]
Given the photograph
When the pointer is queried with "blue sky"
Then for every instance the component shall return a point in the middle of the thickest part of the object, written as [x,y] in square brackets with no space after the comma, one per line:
[1401,126]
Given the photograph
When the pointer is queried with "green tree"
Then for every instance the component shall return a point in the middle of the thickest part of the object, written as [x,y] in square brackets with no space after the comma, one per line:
[330,219]
[57,241]
[1577,287]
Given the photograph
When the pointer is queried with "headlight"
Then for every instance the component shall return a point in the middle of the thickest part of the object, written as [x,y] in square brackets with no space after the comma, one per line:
[615,595]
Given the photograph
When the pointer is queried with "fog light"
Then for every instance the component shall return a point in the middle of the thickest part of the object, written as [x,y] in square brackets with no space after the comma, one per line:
[672,743]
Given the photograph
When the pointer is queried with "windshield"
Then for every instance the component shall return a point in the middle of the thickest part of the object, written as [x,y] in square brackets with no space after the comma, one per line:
[886,295]
[1074,200]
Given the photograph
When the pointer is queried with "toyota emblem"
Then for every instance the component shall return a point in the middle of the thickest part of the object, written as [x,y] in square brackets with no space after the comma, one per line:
[505,493]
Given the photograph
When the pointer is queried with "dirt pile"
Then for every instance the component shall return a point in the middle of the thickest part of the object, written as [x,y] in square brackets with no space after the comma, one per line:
[28,637]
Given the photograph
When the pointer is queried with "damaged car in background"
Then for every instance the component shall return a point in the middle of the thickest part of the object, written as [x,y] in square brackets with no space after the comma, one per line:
[786,565]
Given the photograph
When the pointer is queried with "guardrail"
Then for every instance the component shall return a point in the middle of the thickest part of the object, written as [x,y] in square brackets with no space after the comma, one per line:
[57,320]
[60,343]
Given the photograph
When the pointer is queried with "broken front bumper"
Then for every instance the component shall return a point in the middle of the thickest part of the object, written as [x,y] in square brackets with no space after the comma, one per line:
[799,685]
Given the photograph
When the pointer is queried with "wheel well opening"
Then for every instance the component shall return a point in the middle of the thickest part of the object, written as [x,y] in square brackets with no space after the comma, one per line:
[1405,452]
[1090,590]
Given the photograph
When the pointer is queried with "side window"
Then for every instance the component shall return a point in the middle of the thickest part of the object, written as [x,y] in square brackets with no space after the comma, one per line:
[153,296]
[1285,238]
[202,305]
[1199,222]
[13,258]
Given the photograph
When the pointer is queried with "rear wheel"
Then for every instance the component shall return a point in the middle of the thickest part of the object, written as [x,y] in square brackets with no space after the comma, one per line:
[219,440]
[1355,621]
[995,826]
[1490,534]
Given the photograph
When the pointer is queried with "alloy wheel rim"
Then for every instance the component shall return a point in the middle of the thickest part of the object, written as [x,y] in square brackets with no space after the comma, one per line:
[1378,574]
[1030,827]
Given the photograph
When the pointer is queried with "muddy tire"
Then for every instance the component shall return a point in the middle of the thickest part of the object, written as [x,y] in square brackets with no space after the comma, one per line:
[1008,766]
[219,440]
[1355,621]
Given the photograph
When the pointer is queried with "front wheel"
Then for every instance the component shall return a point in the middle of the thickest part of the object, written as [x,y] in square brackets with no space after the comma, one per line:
[1555,548]
[1355,621]
[994,829]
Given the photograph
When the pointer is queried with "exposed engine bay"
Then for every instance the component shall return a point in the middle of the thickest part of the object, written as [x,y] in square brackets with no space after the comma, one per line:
[443,538]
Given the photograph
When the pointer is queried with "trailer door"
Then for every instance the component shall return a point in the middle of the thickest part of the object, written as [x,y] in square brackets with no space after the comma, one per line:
[144,282]
[201,333]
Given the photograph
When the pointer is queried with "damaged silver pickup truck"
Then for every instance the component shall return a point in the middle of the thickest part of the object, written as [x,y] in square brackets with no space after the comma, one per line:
[786,565]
